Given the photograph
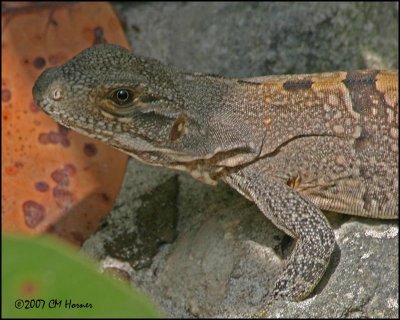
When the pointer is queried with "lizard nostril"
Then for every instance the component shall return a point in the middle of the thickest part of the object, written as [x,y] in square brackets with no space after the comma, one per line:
[47,85]
[56,94]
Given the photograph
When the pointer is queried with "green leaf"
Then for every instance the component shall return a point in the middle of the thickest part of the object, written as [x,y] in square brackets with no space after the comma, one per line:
[44,278]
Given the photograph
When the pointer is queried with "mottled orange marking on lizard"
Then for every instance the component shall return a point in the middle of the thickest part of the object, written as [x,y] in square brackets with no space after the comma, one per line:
[326,80]
[267,121]
[386,83]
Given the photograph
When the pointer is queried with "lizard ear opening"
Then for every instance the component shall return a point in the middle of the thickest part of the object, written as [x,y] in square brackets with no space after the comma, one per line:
[178,129]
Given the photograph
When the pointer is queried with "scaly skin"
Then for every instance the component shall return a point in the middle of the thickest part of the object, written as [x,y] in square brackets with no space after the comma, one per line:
[292,144]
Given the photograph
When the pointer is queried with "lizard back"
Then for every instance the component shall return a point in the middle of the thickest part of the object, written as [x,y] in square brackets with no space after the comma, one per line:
[334,138]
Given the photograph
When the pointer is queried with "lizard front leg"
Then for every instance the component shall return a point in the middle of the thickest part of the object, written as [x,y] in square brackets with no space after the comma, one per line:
[300,219]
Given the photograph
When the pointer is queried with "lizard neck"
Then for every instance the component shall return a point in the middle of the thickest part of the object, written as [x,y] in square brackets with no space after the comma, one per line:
[228,113]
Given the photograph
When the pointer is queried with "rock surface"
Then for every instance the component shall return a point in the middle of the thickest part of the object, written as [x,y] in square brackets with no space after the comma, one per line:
[216,254]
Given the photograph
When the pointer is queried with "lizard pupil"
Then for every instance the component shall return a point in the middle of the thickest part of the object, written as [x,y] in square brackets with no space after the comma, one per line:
[122,95]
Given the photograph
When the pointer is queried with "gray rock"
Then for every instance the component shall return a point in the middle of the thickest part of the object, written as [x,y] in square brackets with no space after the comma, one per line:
[227,255]
[363,284]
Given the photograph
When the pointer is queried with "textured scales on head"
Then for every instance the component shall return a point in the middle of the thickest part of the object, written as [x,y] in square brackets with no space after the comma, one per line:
[149,110]
[88,81]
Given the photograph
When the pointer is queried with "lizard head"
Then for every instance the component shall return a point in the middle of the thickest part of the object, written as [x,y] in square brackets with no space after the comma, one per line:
[140,106]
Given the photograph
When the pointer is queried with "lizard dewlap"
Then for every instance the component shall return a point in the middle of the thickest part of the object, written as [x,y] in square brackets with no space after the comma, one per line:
[293,144]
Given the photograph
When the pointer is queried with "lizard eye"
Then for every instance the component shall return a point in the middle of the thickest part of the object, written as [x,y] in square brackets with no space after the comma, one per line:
[123,101]
[119,102]
[122,96]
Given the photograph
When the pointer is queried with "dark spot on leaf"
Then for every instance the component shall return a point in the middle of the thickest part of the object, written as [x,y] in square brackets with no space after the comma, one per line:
[34,213]
[18,164]
[105,197]
[44,138]
[62,197]
[39,62]
[99,36]
[54,137]
[53,22]
[70,169]
[5,95]
[65,142]
[62,130]
[11,170]
[60,176]
[29,289]
[90,149]
[41,186]
[34,107]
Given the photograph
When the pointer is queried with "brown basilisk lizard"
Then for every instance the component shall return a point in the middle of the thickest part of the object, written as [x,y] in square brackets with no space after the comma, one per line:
[293,144]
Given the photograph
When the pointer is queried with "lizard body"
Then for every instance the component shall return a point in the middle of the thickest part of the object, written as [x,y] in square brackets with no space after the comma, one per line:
[292,144]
